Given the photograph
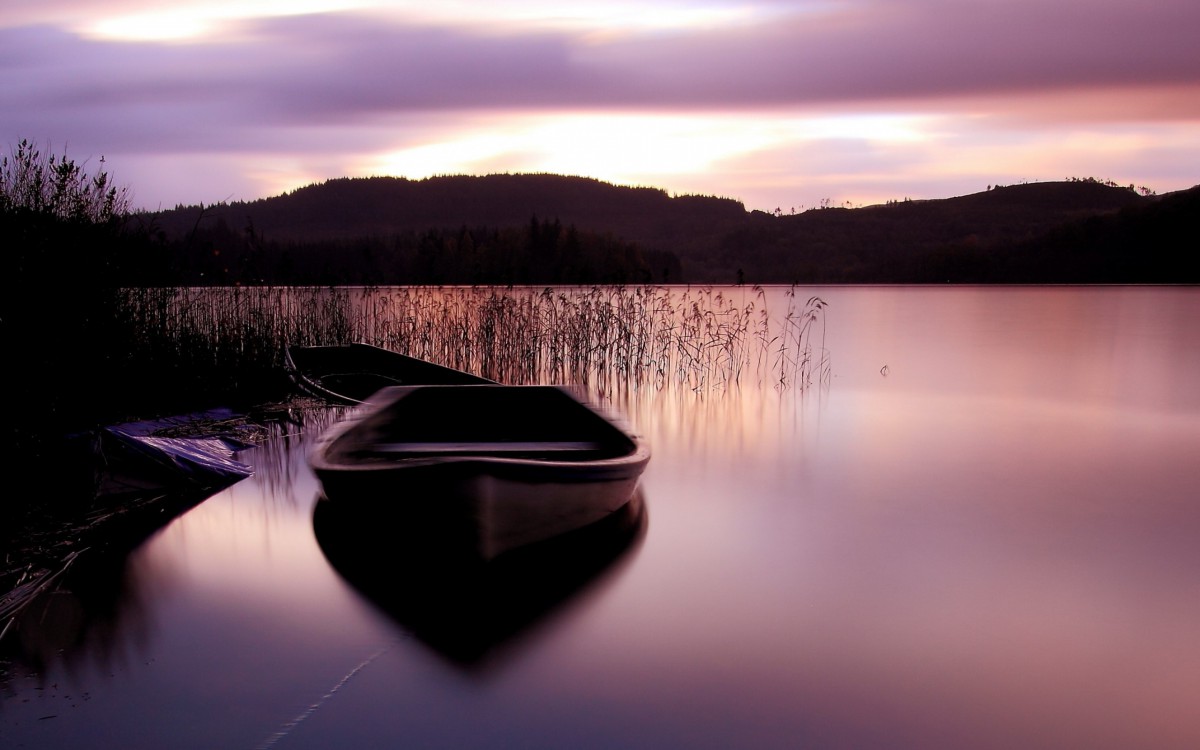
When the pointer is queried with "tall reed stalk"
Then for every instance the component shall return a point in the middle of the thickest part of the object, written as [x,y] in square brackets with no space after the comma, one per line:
[628,337]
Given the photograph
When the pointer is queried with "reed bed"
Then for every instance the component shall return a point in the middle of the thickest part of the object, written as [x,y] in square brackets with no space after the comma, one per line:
[698,338]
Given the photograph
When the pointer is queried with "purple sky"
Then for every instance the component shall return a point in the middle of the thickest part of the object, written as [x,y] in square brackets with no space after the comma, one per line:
[777,104]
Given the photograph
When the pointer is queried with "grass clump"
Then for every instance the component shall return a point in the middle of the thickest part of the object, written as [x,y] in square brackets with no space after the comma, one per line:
[232,339]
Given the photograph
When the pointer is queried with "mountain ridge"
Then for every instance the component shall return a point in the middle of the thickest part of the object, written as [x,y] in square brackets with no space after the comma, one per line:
[715,239]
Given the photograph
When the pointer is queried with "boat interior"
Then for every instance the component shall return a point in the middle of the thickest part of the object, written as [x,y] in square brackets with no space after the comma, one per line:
[530,422]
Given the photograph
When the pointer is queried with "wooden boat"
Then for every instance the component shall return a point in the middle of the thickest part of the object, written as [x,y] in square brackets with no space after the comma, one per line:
[351,373]
[495,466]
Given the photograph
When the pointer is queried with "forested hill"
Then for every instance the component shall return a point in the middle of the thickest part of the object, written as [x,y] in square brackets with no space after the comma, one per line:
[382,205]
[1029,233]
[1014,233]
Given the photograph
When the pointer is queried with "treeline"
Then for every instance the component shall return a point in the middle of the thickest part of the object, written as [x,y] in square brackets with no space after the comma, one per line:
[1068,232]
[69,243]
[1148,241]
[382,206]
[541,252]
[1151,243]
[460,229]
[391,215]
[553,229]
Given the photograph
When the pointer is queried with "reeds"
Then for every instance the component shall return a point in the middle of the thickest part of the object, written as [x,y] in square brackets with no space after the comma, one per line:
[611,336]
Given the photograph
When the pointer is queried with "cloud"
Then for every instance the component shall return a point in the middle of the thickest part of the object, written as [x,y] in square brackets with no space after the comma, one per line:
[318,91]
[339,66]
[343,66]
[889,51]
[872,51]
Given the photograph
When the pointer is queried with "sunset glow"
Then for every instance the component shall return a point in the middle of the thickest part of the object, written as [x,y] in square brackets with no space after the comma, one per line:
[197,21]
[625,148]
[776,104]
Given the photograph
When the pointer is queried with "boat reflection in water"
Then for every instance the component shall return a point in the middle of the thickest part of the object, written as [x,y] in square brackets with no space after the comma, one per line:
[469,609]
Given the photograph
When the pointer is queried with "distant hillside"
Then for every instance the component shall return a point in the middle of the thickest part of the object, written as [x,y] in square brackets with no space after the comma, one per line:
[380,206]
[986,236]
[1149,242]
[911,241]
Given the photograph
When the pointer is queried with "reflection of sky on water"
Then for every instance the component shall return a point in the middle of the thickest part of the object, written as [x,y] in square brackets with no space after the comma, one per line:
[991,546]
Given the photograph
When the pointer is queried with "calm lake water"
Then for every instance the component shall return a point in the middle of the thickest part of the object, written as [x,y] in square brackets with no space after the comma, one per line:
[981,533]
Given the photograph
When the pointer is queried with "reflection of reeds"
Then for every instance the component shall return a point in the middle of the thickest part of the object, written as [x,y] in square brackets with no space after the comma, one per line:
[696,338]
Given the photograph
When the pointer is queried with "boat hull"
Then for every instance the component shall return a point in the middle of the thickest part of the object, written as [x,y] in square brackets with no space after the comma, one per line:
[481,509]
[489,496]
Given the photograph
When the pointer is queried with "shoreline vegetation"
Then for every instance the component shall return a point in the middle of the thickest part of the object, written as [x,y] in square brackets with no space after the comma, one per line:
[140,353]
[99,321]
[614,335]
[117,355]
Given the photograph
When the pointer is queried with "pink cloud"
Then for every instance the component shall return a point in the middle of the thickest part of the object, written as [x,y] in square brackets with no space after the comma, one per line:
[347,83]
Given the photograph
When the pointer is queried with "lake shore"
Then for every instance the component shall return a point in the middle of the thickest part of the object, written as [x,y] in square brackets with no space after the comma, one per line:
[90,517]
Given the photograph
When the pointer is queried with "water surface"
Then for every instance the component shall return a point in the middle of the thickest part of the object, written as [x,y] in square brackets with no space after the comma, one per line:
[980,533]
